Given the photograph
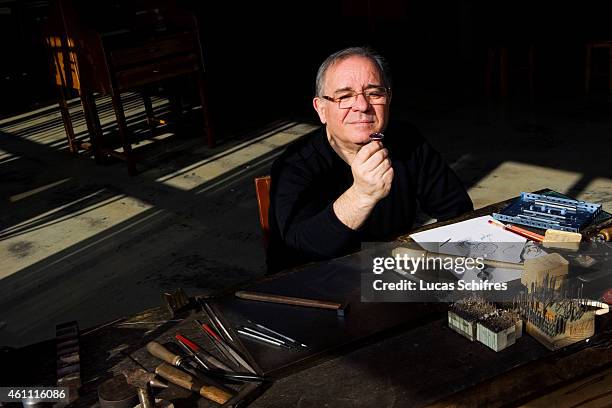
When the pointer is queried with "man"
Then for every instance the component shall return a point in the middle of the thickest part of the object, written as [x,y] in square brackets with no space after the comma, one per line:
[336,188]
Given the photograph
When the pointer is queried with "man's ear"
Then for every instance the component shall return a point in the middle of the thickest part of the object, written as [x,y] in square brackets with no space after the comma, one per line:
[321,109]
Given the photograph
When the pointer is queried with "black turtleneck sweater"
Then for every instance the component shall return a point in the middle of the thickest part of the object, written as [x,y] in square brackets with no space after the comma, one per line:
[309,176]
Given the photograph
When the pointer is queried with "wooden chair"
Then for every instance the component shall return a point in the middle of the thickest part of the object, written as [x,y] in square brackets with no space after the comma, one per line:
[262,188]
[127,46]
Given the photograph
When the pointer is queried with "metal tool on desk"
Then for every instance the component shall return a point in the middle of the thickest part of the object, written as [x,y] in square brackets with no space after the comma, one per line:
[175,302]
[201,355]
[340,308]
[225,347]
[214,320]
[141,380]
[262,337]
[261,326]
[215,340]
[546,212]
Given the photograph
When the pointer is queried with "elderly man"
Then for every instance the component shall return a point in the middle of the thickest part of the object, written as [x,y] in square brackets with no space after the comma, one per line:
[338,187]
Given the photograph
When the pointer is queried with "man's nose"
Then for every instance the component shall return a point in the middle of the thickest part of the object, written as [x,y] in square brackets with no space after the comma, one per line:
[361,103]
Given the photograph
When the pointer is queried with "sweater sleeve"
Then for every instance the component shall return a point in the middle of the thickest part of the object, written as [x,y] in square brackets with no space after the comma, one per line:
[440,192]
[304,215]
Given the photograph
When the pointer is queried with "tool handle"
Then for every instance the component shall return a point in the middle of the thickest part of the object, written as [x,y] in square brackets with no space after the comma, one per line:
[194,347]
[163,353]
[287,300]
[182,379]
[605,233]
[503,264]
[210,331]
[417,253]
[525,233]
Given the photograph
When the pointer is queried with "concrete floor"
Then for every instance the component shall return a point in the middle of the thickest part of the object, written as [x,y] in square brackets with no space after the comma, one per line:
[80,241]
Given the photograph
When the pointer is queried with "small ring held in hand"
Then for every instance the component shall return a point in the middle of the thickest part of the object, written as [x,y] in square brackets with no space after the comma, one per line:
[376,136]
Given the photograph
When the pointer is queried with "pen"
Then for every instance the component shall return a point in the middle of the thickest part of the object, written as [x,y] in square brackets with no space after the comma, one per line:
[519,231]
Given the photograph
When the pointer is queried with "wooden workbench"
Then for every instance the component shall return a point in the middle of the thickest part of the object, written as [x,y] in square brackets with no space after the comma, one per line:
[401,355]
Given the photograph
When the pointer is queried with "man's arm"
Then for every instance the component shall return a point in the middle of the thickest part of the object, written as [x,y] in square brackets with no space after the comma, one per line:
[372,177]
[309,224]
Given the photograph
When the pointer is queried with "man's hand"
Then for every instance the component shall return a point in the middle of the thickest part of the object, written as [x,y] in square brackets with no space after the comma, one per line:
[372,177]
[372,173]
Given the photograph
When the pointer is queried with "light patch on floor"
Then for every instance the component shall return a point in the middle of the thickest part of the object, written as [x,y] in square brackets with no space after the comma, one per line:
[599,191]
[509,179]
[213,167]
[22,250]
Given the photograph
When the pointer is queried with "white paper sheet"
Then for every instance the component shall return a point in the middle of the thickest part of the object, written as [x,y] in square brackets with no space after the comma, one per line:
[475,238]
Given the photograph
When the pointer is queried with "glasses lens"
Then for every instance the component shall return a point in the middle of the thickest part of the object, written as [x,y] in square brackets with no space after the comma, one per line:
[374,97]
[347,101]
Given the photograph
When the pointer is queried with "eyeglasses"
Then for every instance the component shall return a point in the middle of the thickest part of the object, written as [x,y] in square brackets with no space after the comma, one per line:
[374,96]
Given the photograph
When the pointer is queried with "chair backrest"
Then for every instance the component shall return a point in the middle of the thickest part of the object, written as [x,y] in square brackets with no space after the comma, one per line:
[262,188]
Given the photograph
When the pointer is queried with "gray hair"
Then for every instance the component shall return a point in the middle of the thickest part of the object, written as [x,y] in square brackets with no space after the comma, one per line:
[338,56]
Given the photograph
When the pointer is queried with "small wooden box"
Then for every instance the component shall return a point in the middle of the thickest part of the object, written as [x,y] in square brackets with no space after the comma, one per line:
[575,331]
[536,269]
[462,326]
[498,340]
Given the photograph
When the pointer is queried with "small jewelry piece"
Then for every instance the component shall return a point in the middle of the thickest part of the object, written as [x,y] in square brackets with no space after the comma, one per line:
[377,136]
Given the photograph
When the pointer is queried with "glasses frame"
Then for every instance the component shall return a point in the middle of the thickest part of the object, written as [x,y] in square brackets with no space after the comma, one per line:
[337,100]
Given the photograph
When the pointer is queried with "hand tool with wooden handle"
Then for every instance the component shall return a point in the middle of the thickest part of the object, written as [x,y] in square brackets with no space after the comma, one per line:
[188,381]
[605,234]
[421,253]
[288,300]
[159,351]
[166,355]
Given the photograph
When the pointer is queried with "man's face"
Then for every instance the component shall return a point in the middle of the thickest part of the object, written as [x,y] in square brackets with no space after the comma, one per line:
[352,125]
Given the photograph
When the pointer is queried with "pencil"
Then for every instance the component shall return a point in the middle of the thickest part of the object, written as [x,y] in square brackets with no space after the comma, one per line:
[519,231]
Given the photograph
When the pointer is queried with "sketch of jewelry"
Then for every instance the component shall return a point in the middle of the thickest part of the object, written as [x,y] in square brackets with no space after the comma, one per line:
[474,249]
[531,250]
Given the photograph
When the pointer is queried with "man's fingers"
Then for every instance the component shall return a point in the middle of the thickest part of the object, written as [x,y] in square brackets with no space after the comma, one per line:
[382,167]
[367,151]
[376,159]
[388,175]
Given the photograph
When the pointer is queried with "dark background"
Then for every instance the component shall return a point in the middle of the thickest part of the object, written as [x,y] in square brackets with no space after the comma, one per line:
[262,57]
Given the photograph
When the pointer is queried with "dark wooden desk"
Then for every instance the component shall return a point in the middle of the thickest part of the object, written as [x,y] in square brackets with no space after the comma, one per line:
[416,361]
